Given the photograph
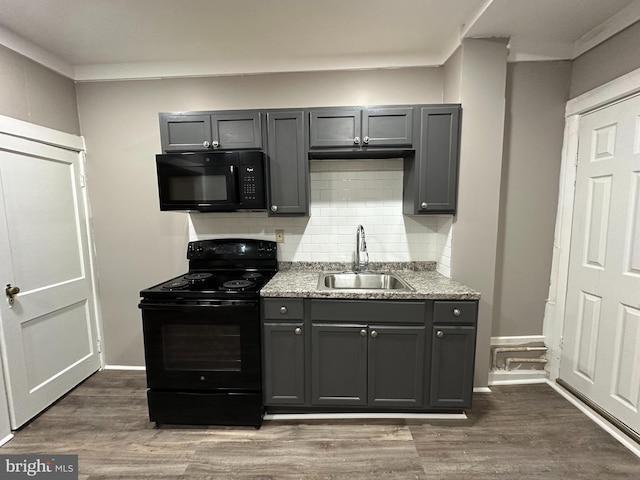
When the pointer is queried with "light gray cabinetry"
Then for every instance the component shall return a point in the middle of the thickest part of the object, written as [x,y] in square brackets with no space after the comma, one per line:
[368,353]
[452,353]
[203,131]
[284,333]
[288,166]
[361,128]
[431,175]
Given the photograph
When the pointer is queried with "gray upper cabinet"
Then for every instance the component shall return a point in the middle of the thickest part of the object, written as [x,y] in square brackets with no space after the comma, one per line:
[201,131]
[431,176]
[361,128]
[288,192]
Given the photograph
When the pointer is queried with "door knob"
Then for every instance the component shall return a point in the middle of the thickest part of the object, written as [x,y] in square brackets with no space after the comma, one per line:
[10,291]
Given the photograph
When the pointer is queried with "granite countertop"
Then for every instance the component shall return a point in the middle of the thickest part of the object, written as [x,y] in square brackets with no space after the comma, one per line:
[300,279]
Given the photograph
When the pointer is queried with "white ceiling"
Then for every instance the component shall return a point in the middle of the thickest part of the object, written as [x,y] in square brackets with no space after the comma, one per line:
[116,39]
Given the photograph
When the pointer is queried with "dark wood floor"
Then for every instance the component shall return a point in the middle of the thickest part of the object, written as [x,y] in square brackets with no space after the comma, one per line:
[516,432]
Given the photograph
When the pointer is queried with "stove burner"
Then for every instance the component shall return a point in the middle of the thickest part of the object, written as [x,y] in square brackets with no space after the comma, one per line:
[177,284]
[252,275]
[198,276]
[237,284]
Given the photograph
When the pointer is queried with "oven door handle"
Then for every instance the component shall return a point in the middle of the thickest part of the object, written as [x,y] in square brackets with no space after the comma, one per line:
[200,304]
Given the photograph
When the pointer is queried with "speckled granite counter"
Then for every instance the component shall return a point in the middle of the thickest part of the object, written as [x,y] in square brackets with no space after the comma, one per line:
[301,280]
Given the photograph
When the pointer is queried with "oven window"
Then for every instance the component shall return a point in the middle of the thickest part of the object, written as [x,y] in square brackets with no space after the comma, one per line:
[200,188]
[202,347]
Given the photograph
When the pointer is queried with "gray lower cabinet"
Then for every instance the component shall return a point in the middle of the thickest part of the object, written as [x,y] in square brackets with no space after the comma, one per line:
[453,341]
[288,166]
[283,341]
[203,131]
[431,175]
[360,128]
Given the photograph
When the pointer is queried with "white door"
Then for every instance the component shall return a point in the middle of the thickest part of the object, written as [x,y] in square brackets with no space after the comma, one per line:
[48,336]
[601,340]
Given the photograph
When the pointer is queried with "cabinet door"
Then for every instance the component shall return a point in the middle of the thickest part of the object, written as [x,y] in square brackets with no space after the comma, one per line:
[453,353]
[237,130]
[387,127]
[288,164]
[334,128]
[396,366]
[185,133]
[339,364]
[434,169]
[284,363]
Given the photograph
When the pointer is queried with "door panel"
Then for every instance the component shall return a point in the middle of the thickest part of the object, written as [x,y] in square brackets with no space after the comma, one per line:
[48,335]
[601,339]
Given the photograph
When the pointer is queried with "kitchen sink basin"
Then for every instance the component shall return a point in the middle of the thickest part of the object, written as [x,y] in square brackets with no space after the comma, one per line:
[362,281]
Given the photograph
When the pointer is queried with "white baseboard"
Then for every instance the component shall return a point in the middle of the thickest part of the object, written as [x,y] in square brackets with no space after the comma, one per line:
[515,341]
[600,421]
[481,390]
[517,377]
[124,367]
[6,439]
[358,416]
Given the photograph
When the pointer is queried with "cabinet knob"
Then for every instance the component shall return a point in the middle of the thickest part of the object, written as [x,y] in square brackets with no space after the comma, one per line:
[283,310]
[374,334]
[274,208]
[363,333]
[356,140]
[215,144]
[456,312]
[365,140]
[424,205]
[206,144]
[298,331]
[439,334]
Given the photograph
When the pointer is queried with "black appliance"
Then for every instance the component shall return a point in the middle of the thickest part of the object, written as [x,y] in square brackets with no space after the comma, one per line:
[212,181]
[202,335]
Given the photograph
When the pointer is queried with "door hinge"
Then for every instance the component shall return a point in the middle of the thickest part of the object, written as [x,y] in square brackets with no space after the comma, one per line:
[99,345]
[83,181]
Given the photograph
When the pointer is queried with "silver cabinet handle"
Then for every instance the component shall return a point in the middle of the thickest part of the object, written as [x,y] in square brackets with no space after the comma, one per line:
[298,331]
[439,334]
[363,333]
[274,208]
[206,144]
[365,140]
[456,312]
[215,144]
[283,310]
[374,334]
[356,140]
[424,205]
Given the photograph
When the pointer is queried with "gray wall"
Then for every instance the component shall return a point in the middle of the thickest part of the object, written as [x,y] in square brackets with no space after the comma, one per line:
[536,95]
[137,245]
[483,72]
[607,61]
[35,94]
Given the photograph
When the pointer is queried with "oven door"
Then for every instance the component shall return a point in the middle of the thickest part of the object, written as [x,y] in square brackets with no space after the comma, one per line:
[202,182]
[202,346]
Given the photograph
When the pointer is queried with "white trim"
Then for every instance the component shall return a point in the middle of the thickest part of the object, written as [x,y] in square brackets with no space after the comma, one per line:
[607,29]
[481,390]
[357,416]
[40,134]
[6,439]
[610,92]
[125,367]
[516,340]
[600,421]
[517,377]
[32,51]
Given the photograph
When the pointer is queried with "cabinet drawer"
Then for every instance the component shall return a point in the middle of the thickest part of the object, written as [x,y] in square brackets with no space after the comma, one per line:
[455,312]
[283,308]
[368,311]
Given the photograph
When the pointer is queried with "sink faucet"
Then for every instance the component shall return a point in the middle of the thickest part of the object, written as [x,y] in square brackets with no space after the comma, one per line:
[361,248]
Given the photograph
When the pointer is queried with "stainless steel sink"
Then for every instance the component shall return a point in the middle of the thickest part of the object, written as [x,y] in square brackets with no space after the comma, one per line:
[362,281]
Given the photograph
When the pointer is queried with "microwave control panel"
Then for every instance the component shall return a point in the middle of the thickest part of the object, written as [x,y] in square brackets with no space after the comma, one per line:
[252,194]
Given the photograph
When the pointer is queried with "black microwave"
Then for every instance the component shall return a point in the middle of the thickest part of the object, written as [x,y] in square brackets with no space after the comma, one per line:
[212,181]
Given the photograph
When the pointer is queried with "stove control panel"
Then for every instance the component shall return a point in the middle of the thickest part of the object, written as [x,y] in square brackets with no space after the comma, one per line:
[232,249]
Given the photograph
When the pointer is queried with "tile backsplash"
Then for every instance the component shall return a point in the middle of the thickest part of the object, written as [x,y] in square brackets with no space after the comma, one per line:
[344,194]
